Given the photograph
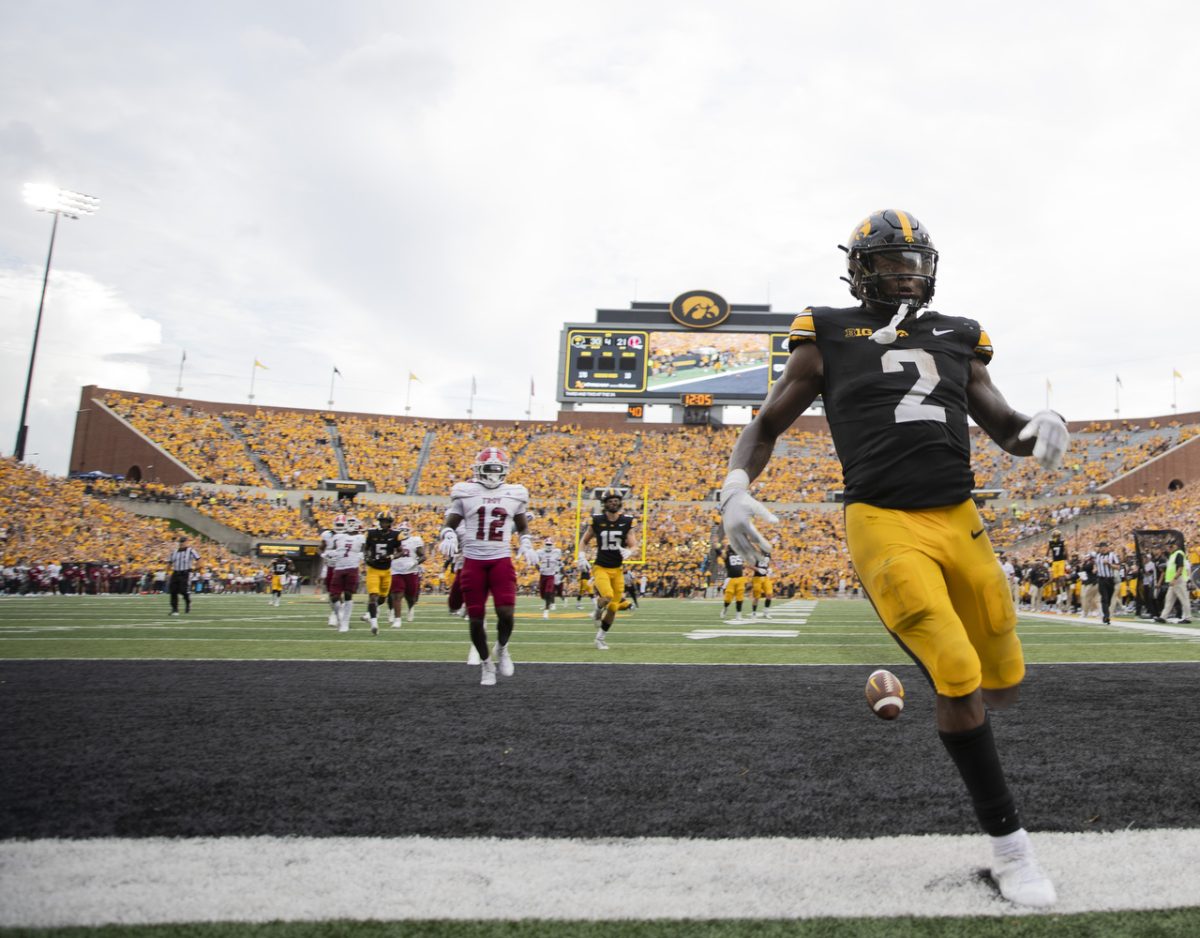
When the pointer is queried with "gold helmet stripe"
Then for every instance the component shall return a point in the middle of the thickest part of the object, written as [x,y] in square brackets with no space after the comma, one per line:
[905,226]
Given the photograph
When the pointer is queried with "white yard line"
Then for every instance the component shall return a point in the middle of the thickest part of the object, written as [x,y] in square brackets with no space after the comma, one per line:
[1115,624]
[46,883]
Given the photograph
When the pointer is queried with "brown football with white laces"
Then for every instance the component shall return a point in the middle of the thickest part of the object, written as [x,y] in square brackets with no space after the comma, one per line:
[885,694]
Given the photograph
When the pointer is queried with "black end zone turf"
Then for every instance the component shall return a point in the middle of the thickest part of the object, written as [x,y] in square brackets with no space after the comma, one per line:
[141,749]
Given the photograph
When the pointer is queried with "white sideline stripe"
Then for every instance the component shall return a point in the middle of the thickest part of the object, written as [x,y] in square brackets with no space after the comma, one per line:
[47,883]
[1115,624]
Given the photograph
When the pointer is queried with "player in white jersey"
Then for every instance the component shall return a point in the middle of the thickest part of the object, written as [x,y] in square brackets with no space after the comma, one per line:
[347,555]
[549,564]
[486,511]
[406,574]
[337,527]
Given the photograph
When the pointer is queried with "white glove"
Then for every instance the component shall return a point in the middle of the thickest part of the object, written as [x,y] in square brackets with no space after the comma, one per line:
[583,564]
[738,511]
[1050,431]
[526,551]
[626,553]
[448,545]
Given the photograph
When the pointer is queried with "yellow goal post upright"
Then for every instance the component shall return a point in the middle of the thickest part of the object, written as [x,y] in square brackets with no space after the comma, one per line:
[645,522]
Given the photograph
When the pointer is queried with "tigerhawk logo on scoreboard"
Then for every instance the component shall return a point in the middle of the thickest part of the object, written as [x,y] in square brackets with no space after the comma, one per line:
[699,309]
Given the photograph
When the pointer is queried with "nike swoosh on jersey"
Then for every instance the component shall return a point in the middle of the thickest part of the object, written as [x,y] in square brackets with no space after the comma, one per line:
[941,331]
[975,534]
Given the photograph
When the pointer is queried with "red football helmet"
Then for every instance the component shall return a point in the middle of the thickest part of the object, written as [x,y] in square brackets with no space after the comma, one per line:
[491,467]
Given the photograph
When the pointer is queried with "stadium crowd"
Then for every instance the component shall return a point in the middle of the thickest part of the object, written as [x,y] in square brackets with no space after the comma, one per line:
[678,471]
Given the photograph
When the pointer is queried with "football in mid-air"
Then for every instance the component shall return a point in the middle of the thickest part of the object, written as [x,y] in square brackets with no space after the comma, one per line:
[885,694]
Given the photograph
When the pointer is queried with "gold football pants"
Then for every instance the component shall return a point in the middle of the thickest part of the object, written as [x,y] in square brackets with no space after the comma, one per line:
[735,589]
[940,592]
[610,584]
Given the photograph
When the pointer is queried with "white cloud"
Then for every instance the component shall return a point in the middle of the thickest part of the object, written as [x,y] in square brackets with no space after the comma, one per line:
[88,335]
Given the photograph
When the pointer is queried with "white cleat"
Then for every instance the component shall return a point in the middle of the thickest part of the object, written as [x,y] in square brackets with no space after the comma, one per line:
[412,614]
[601,644]
[333,620]
[397,625]
[553,607]
[545,613]
[738,620]
[488,677]
[366,617]
[1021,880]
[473,656]
[343,628]
[374,627]
[504,662]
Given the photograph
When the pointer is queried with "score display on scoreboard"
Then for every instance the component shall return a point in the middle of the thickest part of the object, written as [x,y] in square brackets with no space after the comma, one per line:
[608,361]
[670,367]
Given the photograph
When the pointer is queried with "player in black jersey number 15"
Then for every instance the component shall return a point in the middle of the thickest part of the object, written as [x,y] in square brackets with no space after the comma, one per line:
[899,381]
[616,542]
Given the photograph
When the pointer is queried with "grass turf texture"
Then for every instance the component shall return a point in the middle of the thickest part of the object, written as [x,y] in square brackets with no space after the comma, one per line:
[177,748]
[245,627]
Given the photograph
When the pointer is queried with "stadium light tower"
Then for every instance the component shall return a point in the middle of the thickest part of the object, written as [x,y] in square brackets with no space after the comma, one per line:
[58,202]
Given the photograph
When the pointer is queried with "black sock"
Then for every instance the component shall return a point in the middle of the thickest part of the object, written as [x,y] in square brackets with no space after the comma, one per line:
[479,638]
[974,753]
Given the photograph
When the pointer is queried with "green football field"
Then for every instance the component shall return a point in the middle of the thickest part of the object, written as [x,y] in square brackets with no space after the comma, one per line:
[662,631]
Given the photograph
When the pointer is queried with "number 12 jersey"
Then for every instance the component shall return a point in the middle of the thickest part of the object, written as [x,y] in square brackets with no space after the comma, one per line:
[487,526]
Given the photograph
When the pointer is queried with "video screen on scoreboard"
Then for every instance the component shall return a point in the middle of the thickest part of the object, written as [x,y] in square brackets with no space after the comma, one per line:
[730,366]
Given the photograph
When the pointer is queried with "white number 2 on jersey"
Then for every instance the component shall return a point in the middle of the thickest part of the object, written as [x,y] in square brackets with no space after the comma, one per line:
[911,406]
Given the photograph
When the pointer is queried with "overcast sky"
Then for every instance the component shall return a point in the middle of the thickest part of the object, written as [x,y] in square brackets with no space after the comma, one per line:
[436,187]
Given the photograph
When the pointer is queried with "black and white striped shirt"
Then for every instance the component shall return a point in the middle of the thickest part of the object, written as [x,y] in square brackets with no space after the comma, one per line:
[182,559]
[1107,564]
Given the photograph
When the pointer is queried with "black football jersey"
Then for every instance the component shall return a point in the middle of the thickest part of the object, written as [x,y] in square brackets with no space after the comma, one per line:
[898,412]
[734,565]
[1058,550]
[379,548]
[610,536]
[280,567]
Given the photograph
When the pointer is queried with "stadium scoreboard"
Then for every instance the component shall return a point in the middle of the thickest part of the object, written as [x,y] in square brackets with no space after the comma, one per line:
[696,353]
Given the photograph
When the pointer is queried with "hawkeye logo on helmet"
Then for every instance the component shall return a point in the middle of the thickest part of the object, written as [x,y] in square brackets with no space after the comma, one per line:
[699,309]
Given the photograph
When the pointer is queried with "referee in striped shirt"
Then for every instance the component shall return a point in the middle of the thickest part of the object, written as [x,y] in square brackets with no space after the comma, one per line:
[182,561]
[1108,568]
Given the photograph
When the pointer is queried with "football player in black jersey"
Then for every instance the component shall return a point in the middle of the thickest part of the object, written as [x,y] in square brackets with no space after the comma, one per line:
[735,584]
[616,541]
[898,382]
[381,546]
[1057,549]
[281,566]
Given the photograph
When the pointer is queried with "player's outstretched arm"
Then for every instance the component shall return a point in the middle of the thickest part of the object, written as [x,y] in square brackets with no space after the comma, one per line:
[1043,436]
[791,395]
